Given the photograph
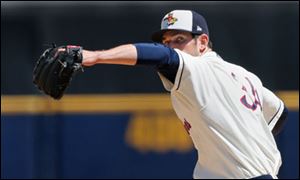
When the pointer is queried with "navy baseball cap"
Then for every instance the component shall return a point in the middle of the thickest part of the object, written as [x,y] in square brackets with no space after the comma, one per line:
[183,20]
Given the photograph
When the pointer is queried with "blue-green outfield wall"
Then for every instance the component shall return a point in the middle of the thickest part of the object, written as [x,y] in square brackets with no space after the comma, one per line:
[95,146]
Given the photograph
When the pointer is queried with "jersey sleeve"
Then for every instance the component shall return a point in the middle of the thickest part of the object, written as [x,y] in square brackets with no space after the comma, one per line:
[272,107]
[169,85]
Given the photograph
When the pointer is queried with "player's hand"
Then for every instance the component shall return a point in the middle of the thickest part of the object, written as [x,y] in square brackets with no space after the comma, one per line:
[89,58]
[55,69]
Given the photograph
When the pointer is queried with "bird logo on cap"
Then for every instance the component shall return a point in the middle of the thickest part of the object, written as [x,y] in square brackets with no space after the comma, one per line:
[171,20]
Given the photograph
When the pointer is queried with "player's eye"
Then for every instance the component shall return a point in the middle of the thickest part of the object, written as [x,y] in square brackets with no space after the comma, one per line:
[179,40]
[175,40]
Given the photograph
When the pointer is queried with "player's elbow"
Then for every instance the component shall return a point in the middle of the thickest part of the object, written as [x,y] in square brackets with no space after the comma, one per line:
[155,54]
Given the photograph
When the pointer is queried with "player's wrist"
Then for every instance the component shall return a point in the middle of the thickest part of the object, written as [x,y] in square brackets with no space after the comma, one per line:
[90,58]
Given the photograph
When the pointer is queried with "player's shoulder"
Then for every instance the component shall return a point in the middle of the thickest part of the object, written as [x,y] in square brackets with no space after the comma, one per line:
[244,72]
[183,55]
[199,59]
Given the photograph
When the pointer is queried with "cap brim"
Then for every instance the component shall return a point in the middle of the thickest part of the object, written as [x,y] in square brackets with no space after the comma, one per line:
[158,35]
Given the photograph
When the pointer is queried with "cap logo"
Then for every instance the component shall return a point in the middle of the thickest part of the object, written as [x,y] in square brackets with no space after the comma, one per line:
[199,28]
[170,19]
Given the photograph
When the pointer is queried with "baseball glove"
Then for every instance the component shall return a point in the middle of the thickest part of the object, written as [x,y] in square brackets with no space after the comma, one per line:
[55,68]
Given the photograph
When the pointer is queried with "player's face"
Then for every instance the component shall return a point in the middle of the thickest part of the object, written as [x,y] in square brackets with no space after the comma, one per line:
[181,40]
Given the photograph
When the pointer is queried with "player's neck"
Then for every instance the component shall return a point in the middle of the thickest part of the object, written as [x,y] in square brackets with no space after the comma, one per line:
[205,51]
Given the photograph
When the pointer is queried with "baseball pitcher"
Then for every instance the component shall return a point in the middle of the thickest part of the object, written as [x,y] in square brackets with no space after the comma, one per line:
[229,114]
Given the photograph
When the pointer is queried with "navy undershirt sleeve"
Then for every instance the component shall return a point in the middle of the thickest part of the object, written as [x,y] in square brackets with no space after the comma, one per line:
[165,59]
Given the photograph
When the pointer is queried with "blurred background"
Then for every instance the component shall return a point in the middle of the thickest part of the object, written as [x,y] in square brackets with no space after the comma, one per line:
[117,121]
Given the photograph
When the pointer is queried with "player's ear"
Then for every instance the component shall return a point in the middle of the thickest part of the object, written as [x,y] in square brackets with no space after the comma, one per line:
[203,40]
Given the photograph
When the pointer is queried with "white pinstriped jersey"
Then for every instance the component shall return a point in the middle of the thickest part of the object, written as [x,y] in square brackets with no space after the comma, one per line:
[229,116]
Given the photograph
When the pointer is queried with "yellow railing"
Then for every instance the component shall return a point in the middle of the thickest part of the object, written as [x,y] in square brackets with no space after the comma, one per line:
[35,104]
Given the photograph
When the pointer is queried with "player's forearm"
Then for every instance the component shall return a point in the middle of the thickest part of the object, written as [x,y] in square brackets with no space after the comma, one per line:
[124,55]
[132,54]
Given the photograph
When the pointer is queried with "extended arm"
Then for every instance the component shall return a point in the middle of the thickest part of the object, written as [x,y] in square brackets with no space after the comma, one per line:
[124,55]
[165,59]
